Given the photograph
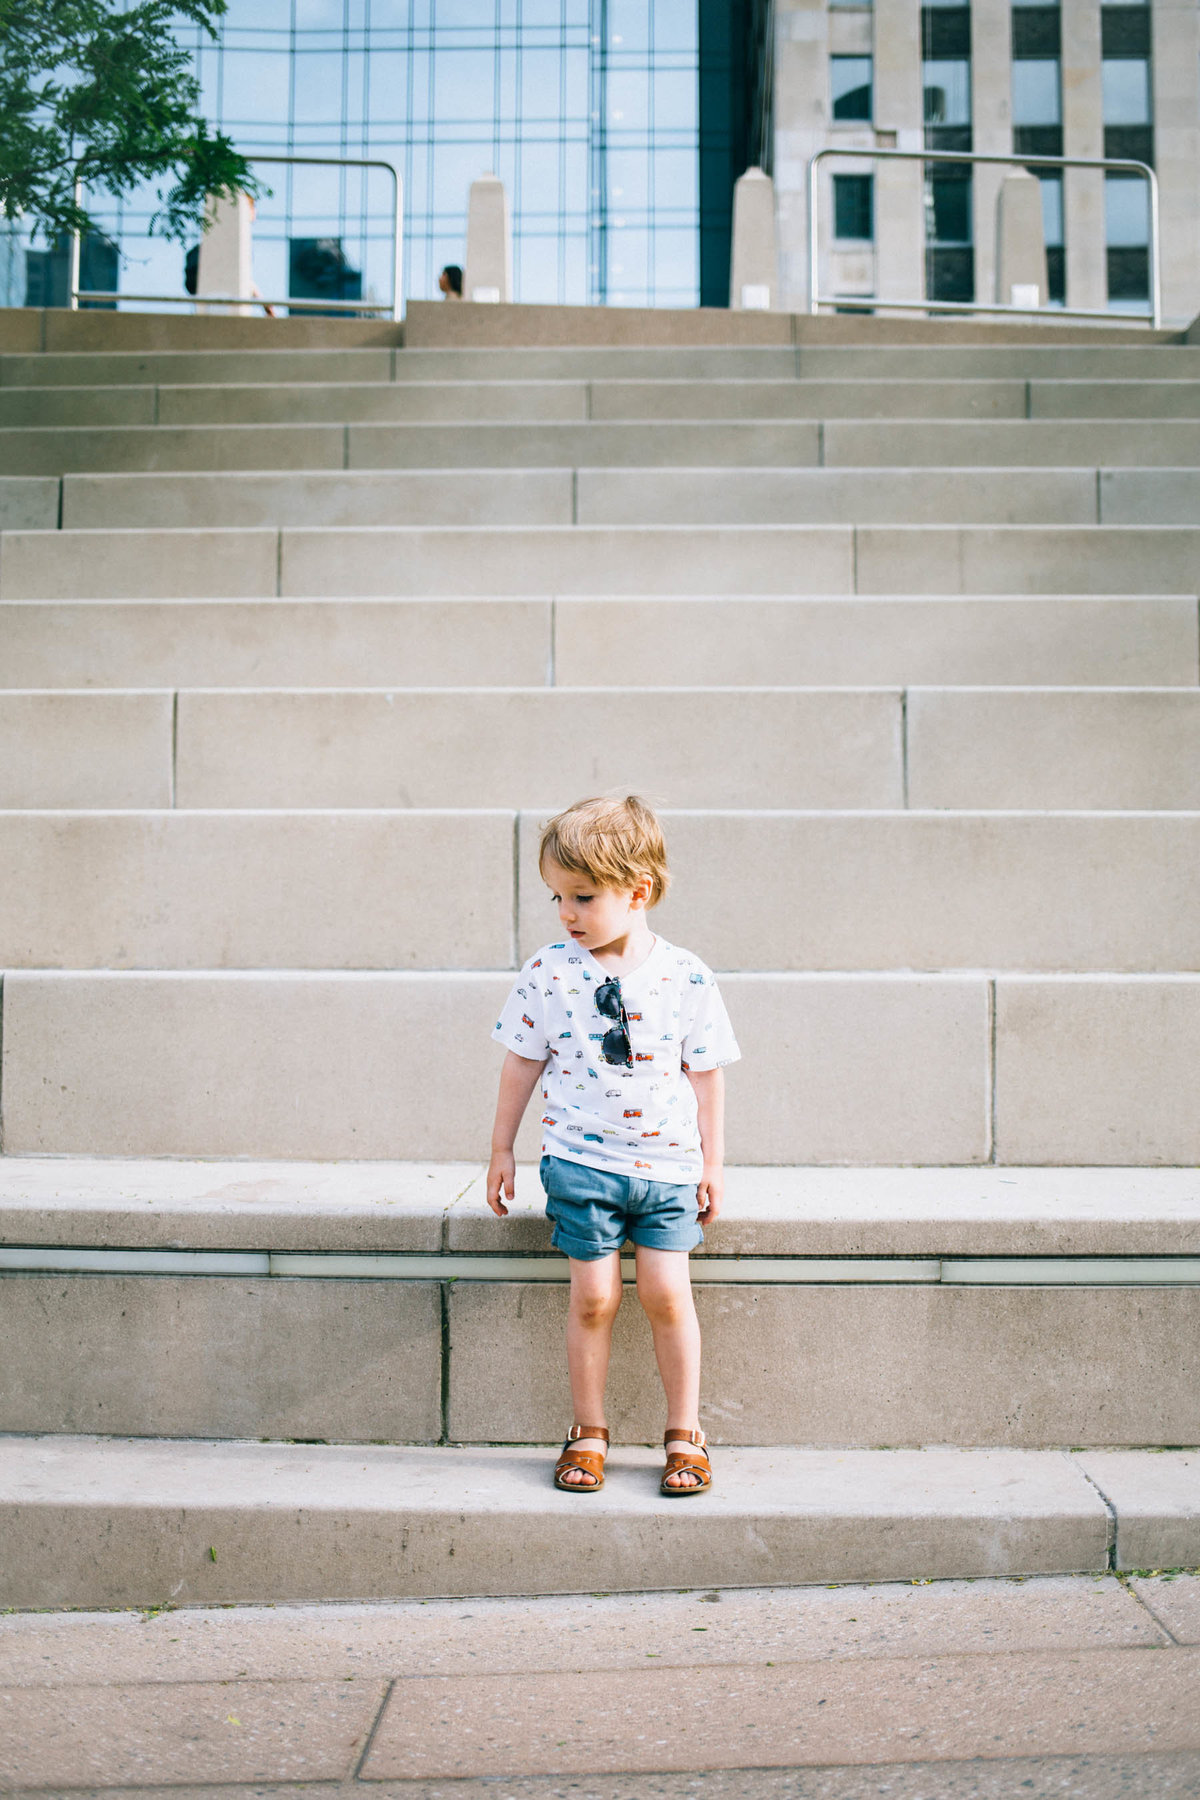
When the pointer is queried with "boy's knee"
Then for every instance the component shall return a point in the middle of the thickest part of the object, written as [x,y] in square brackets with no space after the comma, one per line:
[664,1305]
[595,1309]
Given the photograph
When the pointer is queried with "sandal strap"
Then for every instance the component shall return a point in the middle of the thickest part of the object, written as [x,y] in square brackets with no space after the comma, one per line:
[586,1431]
[688,1437]
[591,1462]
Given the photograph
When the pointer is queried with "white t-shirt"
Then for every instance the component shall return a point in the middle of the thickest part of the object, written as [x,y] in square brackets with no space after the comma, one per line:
[638,1121]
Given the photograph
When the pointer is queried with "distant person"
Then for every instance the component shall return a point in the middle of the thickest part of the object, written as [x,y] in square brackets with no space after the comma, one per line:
[450,281]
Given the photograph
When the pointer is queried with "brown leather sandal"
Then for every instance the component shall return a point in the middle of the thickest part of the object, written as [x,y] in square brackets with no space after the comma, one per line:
[590,1461]
[686,1459]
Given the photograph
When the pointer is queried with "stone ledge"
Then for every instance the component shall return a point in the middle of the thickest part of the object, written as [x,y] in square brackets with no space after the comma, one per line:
[125,1522]
[381,1207]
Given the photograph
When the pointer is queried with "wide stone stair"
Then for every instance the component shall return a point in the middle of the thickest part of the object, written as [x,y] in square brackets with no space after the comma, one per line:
[298,646]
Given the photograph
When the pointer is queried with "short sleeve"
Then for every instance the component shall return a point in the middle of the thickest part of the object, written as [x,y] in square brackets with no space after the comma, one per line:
[522,1022]
[708,1042]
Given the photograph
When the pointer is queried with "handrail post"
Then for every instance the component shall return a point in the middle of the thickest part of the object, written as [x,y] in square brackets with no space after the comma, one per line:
[397,242]
[75,262]
[814,261]
[1155,254]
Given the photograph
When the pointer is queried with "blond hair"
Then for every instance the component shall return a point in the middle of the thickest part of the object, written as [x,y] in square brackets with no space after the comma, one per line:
[615,843]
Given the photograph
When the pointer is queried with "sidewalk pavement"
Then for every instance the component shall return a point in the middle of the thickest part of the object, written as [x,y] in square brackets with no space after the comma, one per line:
[1080,1687]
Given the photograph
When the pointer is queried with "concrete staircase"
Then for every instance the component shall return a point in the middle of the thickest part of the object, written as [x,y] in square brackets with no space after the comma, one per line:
[297,645]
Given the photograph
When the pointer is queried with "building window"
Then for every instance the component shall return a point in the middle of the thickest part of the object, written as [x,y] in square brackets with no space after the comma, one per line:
[851,78]
[1125,84]
[949,256]
[1052,231]
[1036,31]
[1127,231]
[947,92]
[1125,87]
[854,207]
[1037,106]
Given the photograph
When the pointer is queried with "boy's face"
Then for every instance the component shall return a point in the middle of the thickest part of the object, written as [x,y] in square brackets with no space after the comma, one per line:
[594,916]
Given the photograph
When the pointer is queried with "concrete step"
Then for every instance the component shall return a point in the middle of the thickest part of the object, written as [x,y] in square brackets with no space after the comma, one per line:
[383,1302]
[524,642]
[414,643]
[1144,399]
[58,450]
[648,443]
[375,747]
[684,560]
[255,890]
[299,403]
[1059,747]
[957,748]
[963,640]
[999,443]
[125,404]
[514,497]
[604,362]
[950,362]
[931,748]
[467,401]
[334,890]
[93,1522]
[501,497]
[55,329]
[113,368]
[962,1068]
[28,503]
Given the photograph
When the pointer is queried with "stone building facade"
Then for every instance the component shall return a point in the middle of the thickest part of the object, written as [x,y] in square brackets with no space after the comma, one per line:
[1077,78]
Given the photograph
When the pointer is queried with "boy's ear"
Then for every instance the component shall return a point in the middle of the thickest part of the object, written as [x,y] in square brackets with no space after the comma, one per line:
[641,893]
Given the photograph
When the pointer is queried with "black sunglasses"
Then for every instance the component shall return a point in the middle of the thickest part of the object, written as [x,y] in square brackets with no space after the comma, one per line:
[615,1047]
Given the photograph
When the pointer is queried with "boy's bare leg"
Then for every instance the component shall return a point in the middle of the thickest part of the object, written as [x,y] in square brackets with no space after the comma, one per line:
[665,1291]
[595,1297]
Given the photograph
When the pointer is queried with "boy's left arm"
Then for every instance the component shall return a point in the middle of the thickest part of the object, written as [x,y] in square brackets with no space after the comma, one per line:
[709,1088]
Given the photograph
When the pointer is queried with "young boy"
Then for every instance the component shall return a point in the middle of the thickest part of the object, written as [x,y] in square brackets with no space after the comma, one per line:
[628,1037]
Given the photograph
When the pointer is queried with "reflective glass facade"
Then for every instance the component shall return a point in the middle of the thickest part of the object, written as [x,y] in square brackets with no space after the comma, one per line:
[586,109]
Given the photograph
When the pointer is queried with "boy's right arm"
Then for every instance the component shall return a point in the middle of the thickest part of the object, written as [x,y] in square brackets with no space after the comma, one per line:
[518,1078]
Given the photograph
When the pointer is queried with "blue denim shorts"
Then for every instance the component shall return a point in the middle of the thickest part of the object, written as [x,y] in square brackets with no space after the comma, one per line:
[595,1210]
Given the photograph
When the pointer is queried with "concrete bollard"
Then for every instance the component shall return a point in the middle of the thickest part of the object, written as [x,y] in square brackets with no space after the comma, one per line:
[226,252]
[488,275]
[1020,242]
[754,267]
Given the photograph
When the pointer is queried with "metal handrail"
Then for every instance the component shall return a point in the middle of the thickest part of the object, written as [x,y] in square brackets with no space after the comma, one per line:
[307,305]
[850,302]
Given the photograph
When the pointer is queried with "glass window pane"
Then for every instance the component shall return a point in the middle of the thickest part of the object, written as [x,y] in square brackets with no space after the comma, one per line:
[853,212]
[628,99]
[948,208]
[628,25]
[1126,211]
[676,100]
[1036,92]
[628,180]
[1126,89]
[947,92]
[850,81]
[676,23]
[676,173]
[1052,210]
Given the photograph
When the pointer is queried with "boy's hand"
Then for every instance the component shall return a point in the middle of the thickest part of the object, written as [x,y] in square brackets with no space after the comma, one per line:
[710,1193]
[501,1176]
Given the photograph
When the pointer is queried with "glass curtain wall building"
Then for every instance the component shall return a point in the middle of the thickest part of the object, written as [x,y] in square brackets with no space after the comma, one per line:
[588,110]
